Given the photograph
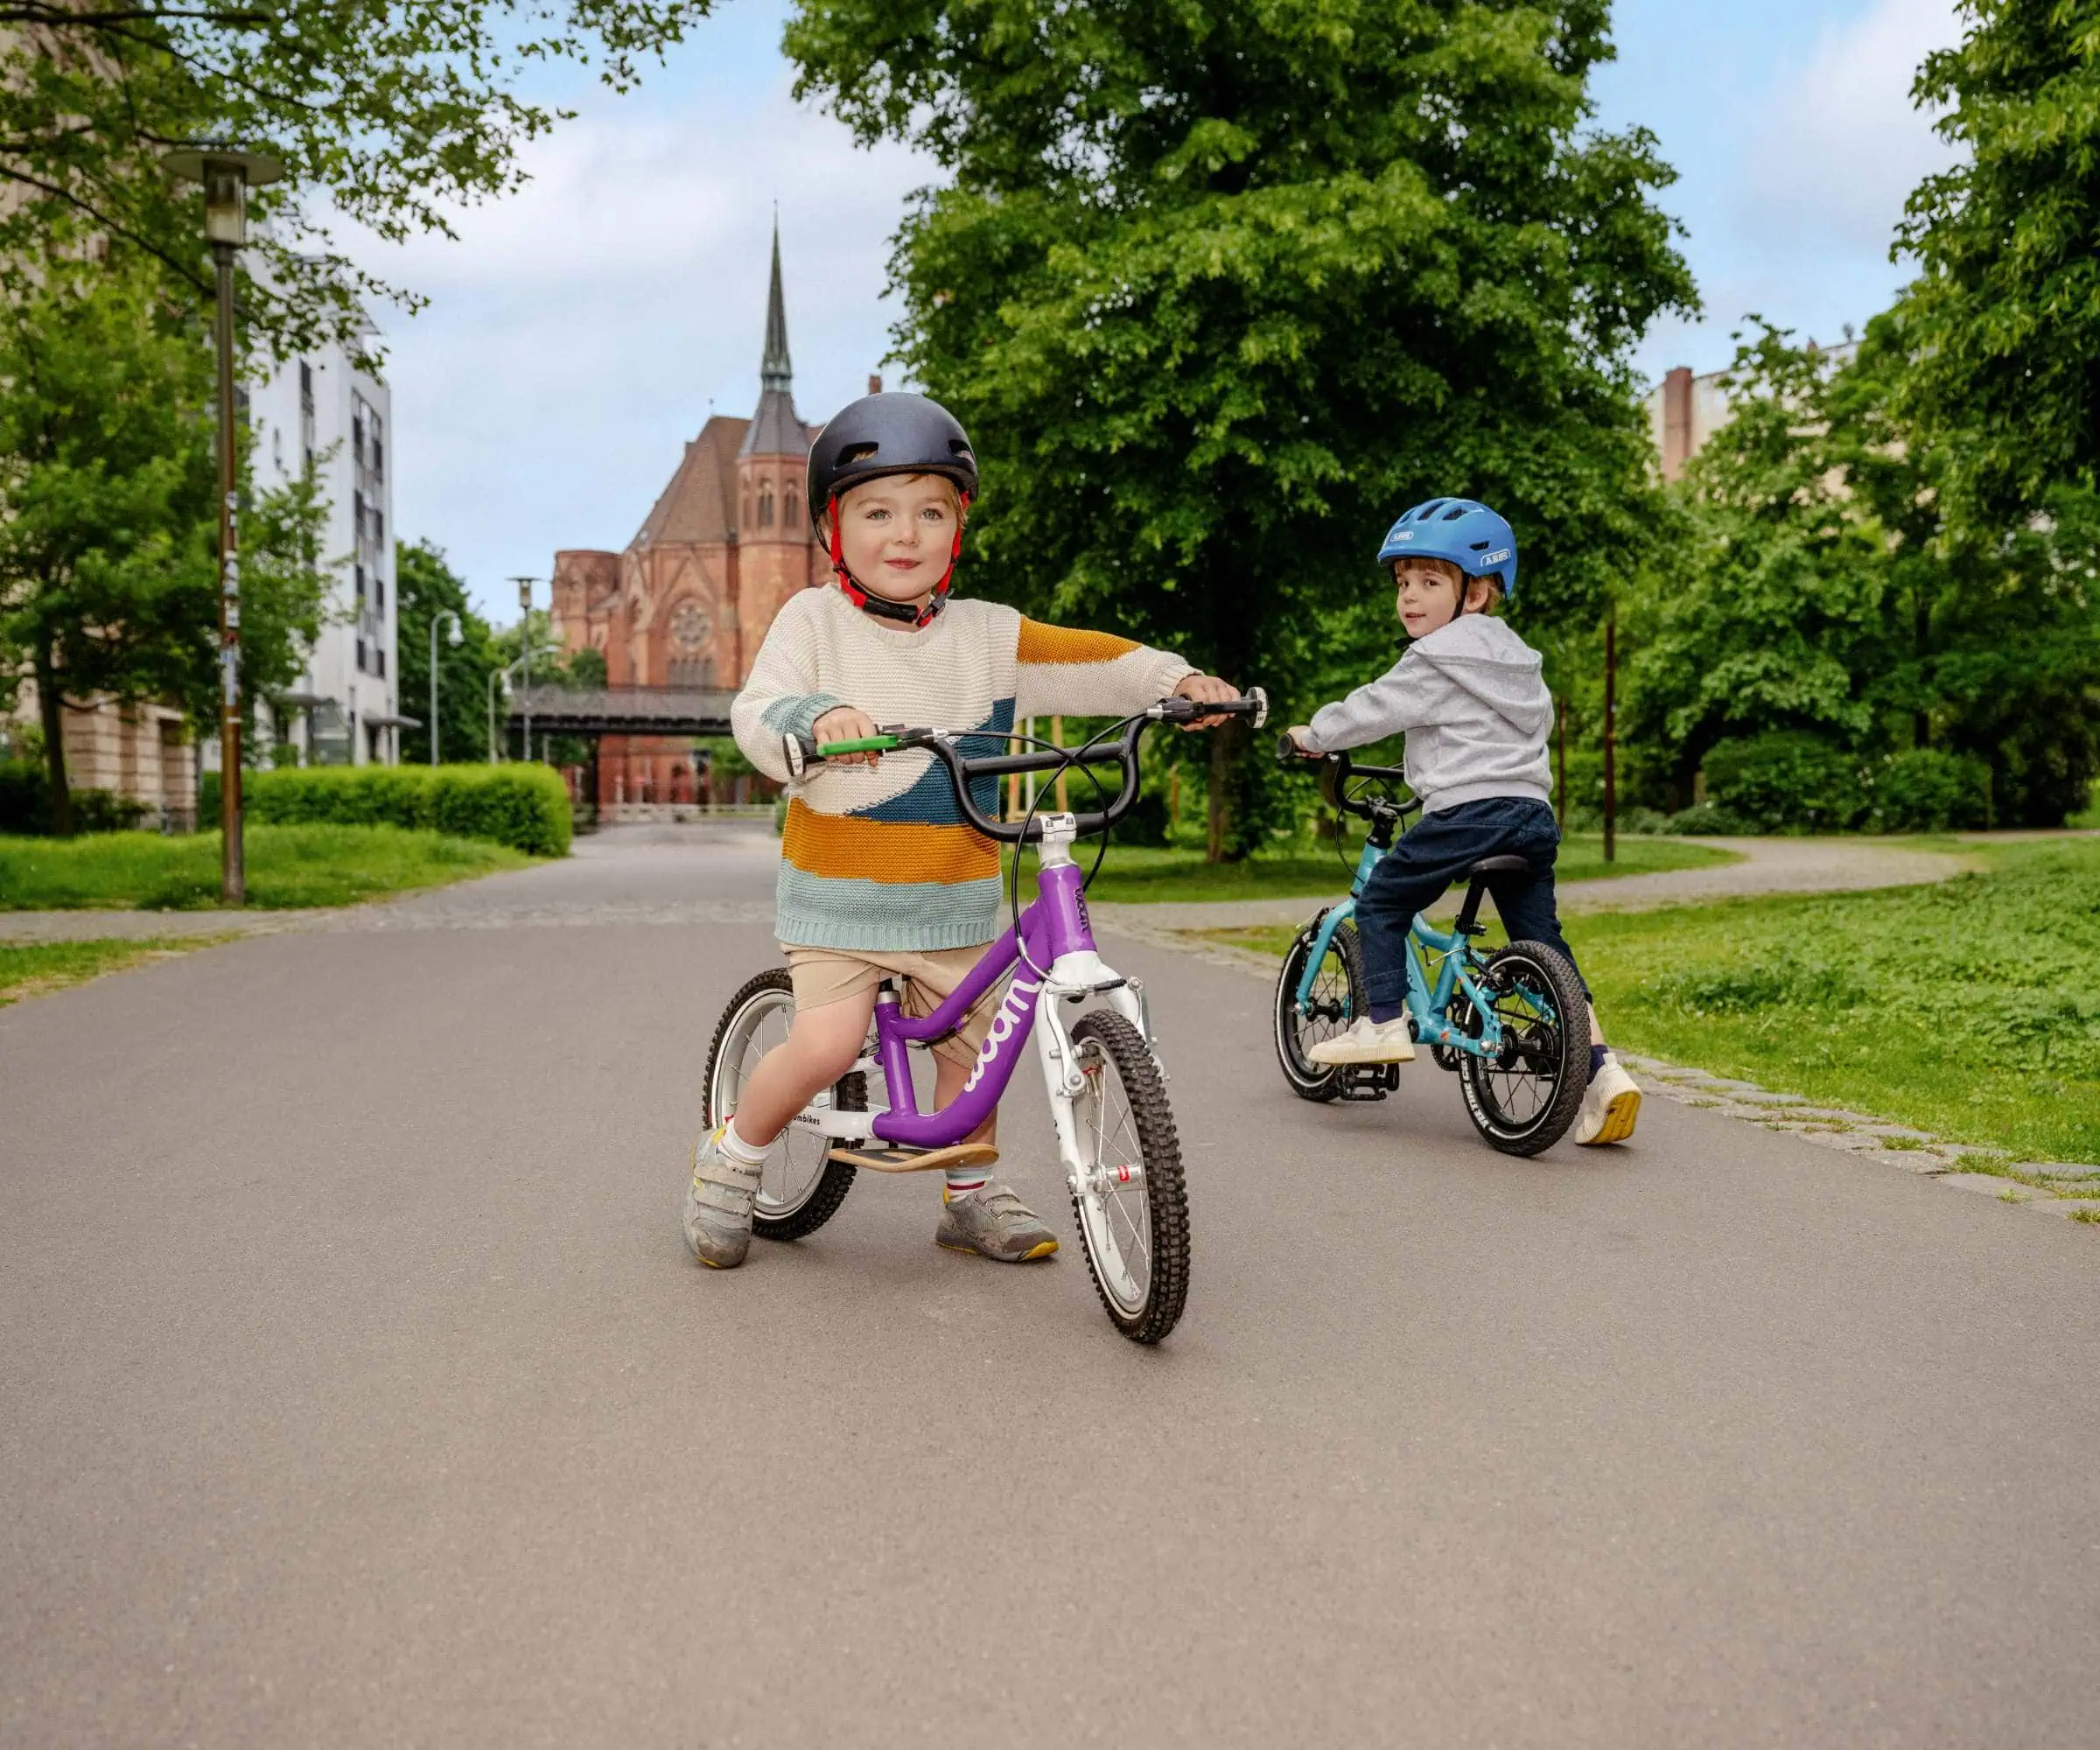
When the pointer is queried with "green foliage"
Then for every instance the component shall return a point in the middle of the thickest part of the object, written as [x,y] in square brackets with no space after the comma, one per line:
[108,522]
[1219,287]
[25,803]
[1817,592]
[1922,789]
[425,586]
[391,116]
[1788,778]
[523,806]
[2007,308]
[287,866]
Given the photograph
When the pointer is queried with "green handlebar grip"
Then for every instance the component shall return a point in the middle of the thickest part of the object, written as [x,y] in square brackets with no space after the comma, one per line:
[866,744]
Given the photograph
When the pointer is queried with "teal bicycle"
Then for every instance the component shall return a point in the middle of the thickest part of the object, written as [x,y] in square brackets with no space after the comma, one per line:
[1513,1025]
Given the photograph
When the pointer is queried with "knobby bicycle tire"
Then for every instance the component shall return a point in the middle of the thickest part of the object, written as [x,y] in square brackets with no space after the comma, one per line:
[1165,1189]
[1306,1079]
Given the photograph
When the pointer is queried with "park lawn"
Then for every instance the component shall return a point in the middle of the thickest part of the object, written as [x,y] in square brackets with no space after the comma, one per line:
[1144,873]
[287,867]
[1969,1008]
[34,968]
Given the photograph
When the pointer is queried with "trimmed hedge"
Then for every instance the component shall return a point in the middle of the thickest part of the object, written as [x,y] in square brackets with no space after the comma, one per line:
[25,803]
[523,806]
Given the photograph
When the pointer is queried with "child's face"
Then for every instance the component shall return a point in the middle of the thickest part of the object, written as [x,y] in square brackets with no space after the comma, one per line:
[1428,594]
[898,534]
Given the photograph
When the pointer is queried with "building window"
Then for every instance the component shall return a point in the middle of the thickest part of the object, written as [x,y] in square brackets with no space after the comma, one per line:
[766,504]
[378,661]
[379,595]
[361,655]
[359,574]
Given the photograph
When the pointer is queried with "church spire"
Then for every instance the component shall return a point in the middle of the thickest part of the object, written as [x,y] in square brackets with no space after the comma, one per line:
[775,370]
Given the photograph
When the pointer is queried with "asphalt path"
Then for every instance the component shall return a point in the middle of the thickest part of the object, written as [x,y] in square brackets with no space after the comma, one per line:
[358,1390]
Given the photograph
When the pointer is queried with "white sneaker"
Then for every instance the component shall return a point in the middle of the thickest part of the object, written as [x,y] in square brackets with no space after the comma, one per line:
[1369,1041]
[1609,1107]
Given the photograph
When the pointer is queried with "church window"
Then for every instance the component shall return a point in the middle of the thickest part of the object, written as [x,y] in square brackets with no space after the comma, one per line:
[766,504]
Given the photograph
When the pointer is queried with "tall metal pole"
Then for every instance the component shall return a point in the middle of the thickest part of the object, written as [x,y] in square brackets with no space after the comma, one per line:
[525,655]
[233,861]
[437,615]
[1611,733]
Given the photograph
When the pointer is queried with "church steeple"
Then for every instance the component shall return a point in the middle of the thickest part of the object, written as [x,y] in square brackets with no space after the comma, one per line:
[776,370]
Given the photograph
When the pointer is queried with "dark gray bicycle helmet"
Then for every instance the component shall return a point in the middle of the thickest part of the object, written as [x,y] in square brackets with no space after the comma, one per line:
[895,433]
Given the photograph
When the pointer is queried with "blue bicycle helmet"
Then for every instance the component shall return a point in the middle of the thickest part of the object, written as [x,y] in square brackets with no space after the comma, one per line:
[1460,530]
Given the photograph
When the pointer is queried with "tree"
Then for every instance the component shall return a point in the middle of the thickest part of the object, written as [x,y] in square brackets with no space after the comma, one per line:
[426,586]
[2006,314]
[388,112]
[1220,286]
[109,531]
[1821,595]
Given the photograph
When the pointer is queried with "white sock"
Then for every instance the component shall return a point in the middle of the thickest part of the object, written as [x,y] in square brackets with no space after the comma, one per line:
[737,1150]
[965,1181]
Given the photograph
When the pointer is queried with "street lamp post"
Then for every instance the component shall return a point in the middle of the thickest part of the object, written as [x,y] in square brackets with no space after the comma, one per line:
[525,649]
[455,641]
[227,172]
[504,674]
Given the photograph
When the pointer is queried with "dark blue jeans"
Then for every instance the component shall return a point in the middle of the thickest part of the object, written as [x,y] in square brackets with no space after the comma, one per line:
[1436,854]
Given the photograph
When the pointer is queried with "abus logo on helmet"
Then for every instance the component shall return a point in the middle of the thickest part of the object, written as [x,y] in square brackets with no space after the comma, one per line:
[1495,559]
[1016,1009]
[1400,534]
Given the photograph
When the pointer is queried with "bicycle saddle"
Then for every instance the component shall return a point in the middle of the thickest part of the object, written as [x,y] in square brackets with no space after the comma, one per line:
[1500,865]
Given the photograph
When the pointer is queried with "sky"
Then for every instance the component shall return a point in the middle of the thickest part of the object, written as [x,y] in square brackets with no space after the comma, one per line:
[577,333]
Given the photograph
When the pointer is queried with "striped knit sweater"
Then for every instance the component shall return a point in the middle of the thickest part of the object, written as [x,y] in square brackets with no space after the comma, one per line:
[879,858]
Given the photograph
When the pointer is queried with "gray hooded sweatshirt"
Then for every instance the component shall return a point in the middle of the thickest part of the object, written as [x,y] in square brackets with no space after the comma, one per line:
[1475,710]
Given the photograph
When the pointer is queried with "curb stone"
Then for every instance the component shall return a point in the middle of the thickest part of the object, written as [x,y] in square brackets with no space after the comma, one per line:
[1867,1137]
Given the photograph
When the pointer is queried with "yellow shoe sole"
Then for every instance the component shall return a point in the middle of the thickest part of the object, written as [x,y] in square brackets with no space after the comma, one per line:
[1041,1251]
[1619,1119]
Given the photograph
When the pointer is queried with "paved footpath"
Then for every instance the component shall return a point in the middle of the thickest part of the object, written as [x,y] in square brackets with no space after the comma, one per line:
[357,1390]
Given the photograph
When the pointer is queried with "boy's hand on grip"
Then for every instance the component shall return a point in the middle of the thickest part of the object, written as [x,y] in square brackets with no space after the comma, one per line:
[843,722]
[1290,744]
[1204,689]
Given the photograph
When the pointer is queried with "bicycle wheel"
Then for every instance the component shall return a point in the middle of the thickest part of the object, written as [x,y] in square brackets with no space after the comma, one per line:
[801,1186]
[1523,1099]
[1337,999]
[1133,1207]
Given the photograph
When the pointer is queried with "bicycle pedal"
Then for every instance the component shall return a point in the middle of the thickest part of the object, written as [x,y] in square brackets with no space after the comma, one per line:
[899,1158]
[1370,1081]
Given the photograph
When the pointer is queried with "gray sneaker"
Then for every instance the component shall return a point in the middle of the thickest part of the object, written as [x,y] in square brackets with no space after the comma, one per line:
[993,1224]
[718,1204]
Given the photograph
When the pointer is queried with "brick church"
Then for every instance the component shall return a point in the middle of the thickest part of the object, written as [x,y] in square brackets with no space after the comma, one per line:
[689,600]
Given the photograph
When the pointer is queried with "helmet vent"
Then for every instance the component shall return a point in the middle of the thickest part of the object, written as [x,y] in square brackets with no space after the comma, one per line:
[1454,513]
[859,452]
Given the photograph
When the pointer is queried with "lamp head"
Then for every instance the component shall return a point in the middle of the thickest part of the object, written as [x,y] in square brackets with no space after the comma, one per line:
[456,637]
[227,172]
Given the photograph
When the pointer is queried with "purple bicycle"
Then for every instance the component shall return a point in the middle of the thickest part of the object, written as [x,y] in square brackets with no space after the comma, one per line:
[1090,1026]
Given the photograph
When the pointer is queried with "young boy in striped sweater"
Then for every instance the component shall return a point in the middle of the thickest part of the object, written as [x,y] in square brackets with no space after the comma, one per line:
[880,876]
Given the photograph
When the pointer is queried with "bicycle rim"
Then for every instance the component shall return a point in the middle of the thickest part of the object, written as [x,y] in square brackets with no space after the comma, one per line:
[1336,1000]
[794,1168]
[1520,1099]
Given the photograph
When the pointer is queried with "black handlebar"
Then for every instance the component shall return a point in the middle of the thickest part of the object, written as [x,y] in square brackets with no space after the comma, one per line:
[803,752]
[1340,768]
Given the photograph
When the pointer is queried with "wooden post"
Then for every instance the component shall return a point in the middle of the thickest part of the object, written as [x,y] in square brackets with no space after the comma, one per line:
[1057,739]
[1611,733]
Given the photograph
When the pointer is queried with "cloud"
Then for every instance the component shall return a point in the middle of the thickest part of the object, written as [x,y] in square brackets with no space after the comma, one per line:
[1839,145]
[577,331]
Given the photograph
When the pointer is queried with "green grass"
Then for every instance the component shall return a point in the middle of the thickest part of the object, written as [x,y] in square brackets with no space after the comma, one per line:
[288,866]
[1138,873]
[1969,1008]
[33,969]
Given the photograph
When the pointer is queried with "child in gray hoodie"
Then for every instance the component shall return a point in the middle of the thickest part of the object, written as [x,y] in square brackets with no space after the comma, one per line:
[1468,694]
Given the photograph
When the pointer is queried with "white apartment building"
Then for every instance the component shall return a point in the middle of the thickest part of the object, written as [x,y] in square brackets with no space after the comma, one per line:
[345,710]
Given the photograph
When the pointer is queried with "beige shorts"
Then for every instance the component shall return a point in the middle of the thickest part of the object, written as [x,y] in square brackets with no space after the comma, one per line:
[824,975]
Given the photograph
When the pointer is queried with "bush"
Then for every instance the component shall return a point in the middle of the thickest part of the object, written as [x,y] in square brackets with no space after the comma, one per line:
[1704,819]
[25,803]
[1925,790]
[1787,778]
[523,806]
